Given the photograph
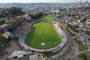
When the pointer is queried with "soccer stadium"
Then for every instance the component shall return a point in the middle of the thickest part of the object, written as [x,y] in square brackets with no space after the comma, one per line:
[42,36]
[44,30]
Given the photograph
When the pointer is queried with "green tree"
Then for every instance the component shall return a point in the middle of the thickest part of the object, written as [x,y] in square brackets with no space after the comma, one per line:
[1,38]
[36,16]
[15,11]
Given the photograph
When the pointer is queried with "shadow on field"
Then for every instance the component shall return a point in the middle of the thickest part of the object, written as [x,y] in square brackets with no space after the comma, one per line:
[31,34]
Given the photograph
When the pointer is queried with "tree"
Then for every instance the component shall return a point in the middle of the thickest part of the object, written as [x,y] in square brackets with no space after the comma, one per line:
[1,22]
[1,38]
[36,16]
[15,11]
[68,58]
[84,19]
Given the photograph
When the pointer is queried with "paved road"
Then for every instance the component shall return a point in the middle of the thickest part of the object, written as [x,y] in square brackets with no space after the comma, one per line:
[84,38]
[72,52]
[64,45]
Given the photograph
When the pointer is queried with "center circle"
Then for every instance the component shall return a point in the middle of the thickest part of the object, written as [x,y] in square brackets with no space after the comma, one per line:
[42,43]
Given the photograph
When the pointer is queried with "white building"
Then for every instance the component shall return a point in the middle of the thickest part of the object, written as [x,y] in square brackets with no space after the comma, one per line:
[23,55]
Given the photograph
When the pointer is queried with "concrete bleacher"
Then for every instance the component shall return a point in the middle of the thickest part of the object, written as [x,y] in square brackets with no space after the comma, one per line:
[22,29]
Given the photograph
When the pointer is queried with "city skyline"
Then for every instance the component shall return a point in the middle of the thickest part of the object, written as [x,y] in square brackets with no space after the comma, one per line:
[40,1]
[44,30]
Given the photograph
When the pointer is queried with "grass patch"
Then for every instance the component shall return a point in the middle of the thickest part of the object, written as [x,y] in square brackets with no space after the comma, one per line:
[81,46]
[83,56]
[42,32]
[47,17]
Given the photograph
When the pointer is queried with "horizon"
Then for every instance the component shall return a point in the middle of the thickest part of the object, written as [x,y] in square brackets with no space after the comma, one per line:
[38,3]
[43,1]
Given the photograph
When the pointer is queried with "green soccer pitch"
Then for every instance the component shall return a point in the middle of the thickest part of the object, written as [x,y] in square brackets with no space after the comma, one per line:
[42,36]
[47,17]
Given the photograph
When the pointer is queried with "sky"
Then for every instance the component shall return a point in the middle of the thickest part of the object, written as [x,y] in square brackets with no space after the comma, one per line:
[40,1]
